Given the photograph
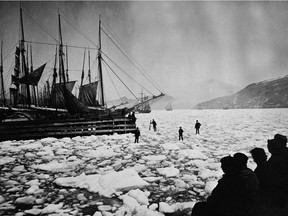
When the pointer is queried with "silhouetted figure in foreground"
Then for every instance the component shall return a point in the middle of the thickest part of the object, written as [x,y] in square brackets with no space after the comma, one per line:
[219,202]
[154,124]
[277,173]
[260,158]
[180,131]
[137,135]
[197,127]
[246,195]
[237,191]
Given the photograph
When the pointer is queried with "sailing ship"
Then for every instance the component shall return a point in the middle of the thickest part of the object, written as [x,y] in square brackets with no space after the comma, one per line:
[56,111]
[144,106]
[169,107]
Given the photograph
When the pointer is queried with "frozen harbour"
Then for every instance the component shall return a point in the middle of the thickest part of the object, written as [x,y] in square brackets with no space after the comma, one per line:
[111,175]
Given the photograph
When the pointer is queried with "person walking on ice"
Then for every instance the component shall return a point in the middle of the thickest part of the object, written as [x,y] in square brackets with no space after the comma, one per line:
[137,134]
[180,133]
[197,127]
[154,125]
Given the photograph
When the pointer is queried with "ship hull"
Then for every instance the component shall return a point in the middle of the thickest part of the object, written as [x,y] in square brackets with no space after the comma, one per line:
[37,129]
[143,111]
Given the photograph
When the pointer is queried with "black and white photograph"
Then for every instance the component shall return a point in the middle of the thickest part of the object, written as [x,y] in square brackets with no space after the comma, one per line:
[143,108]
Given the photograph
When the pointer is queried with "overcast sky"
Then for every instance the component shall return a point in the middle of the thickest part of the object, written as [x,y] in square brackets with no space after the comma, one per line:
[194,51]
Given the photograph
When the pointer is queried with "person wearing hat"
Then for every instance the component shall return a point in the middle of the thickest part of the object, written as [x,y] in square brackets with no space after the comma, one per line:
[219,202]
[197,126]
[137,135]
[277,145]
[180,131]
[260,158]
[281,138]
[245,188]
[277,172]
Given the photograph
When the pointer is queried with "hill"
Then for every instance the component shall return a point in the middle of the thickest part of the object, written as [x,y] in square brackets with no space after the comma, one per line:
[265,94]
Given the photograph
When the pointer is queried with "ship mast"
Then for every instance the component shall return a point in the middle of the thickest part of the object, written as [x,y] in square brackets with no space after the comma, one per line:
[100,65]
[54,69]
[89,69]
[1,71]
[142,100]
[67,74]
[82,75]
[53,100]
[61,62]
[27,57]
[36,96]
[31,60]
[22,50]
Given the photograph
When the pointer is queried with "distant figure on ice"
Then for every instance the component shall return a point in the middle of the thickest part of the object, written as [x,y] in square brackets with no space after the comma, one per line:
[123,112]
[133,118]
[180,133]
[137,134]
[197,126]
[154,125]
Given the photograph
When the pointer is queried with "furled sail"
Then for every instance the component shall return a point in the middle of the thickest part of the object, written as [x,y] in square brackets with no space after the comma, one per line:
[19,96]
[73,105]
[33,77]
[57,97]
[87,94]
[14,78]
[17,62]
